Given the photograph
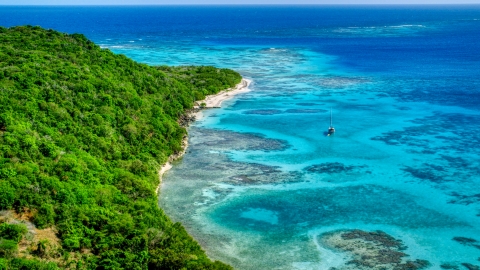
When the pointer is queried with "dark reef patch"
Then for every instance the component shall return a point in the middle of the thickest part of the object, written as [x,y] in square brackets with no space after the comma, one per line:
[426,172]
[470,266]
[371,250]
[331,82]
[263,112]
[379,237]
[274,111]
[228,140]
[435,90]
[464,199]
[456,162]
[308,104]
[260,174]
[305,111]
[439,127]
[449,266]
[210,149]
[403,108]
[333,167]
[467,241]
[452,152]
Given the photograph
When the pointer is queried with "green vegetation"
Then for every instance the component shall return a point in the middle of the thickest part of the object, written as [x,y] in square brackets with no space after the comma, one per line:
[83,133]
[10,235]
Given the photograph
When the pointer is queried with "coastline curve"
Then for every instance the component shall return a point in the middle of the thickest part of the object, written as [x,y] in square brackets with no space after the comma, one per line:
[210,102]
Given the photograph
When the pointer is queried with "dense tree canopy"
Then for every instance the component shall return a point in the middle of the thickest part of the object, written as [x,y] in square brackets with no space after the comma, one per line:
[83,133]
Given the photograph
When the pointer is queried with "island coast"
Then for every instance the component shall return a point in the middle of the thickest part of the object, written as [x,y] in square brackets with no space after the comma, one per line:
[84,175]
[215,101]
[210,102]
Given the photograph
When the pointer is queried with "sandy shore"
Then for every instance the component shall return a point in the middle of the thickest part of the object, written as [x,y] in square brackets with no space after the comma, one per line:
[215,101]
[167,166]
[212,101]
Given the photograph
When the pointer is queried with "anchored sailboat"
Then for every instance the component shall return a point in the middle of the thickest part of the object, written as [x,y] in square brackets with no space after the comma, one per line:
[331,129]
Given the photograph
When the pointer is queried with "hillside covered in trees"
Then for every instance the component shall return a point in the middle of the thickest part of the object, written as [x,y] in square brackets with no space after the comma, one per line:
[83,133]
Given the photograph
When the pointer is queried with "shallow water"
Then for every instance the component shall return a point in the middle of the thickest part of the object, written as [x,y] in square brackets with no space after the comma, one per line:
[394,164]
[261,182]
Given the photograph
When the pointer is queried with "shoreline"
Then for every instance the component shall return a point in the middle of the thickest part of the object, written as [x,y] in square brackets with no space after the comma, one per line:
[215,101]
[210,102]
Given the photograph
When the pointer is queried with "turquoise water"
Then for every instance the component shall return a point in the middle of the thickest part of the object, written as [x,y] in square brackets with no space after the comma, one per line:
[261,183]
[392,165]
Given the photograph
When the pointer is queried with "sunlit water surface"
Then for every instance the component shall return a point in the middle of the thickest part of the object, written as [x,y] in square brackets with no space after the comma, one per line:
[261,182]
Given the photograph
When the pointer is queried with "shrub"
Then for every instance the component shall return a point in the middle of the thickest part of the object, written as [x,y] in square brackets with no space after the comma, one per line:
[8,247]
[13,232]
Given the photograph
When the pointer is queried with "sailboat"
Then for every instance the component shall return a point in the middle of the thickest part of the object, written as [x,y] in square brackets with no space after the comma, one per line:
[331,129]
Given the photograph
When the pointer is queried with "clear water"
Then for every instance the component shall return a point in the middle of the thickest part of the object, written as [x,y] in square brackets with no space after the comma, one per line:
[261,180]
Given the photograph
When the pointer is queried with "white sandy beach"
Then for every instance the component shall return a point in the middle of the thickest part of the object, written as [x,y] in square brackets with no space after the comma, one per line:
[215,101]
[212,101]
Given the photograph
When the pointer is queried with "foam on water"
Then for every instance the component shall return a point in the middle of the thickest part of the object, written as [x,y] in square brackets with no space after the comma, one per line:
[386,30]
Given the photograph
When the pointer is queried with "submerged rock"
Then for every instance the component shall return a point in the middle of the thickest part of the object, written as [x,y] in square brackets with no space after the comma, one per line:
[425,173]
[333,167]
[308,104]
[371,250]
[471,266]
[305,111]
[219,140]
[377,237]
[263,112]
[467,241]
[449,266]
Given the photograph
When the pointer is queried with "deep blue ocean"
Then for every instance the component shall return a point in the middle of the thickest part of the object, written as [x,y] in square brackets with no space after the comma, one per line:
[261,185]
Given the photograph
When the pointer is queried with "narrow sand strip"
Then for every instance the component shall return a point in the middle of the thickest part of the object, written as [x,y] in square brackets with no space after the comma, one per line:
[167,166]
[215,101]
[212,101]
